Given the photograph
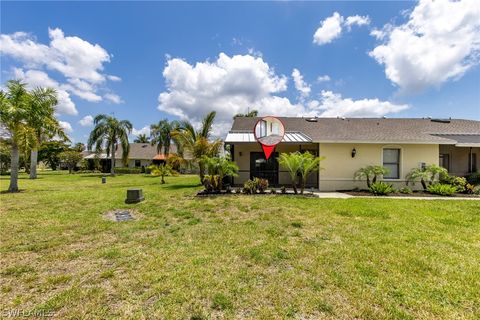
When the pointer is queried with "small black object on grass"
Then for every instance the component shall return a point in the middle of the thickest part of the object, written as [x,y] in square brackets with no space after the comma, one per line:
[104,179]
[134,196]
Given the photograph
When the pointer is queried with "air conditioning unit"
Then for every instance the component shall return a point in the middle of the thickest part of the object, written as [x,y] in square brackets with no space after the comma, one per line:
[422,165]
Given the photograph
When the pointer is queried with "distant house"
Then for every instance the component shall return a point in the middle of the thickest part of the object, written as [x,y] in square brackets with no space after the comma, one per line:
[140,155]
[352,143]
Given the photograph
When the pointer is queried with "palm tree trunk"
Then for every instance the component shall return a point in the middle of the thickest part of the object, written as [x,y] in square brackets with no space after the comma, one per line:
[14,168]
[424,185]
[294,184]
[112,158]
[201,169]
[33,163]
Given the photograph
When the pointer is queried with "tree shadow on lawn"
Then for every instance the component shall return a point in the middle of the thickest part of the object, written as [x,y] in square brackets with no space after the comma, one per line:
[181,186]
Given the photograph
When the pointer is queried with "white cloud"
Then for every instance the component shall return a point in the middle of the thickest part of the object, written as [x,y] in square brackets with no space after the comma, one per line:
[80,62]
[114,78]
[300,84]
[439,42]
[36,78]
[333,105]
[231,85]
[145,130]
[324,78]
[228,85]
[113,98]
[331,28]
[66,126]
[357,20]
[86,121]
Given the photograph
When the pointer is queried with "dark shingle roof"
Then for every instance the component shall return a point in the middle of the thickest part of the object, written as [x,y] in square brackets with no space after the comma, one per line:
[375,129]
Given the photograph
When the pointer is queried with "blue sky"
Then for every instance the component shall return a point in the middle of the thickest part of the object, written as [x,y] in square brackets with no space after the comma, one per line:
[168,57]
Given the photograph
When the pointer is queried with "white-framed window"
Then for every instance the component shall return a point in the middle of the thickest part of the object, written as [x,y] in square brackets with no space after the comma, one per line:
[391,161]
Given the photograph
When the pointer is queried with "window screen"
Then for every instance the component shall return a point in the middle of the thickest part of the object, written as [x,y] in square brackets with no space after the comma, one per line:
[391,161]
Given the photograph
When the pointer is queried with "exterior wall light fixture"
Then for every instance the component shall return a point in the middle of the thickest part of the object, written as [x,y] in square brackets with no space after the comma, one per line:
[354,152]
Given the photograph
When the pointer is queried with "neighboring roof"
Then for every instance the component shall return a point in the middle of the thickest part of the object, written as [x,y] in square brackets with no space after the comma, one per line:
[294,137]
[373,130]
[140,151]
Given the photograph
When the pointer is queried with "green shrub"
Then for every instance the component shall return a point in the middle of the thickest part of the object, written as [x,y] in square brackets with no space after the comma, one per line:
[262,184]
[250,187]
[405,190]
[458,182]
[128,170]
[211,183]
[474,178]
[273,191]
[476,190]
[469,188]
[238,190]
[442,189]
[380,188]
[283,189]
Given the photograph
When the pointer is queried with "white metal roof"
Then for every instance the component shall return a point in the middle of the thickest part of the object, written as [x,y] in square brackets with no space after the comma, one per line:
[289,137]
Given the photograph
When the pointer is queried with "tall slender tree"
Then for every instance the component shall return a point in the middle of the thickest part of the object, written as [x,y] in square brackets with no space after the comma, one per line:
[161,135]
[109,132]
[198,141]
[19,114]
[45,123]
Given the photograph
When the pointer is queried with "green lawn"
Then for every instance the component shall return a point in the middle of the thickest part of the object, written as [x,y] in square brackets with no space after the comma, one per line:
[244,257]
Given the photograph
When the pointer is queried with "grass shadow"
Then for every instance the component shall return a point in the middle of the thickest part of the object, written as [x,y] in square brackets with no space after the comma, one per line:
[181,186]
[8,192]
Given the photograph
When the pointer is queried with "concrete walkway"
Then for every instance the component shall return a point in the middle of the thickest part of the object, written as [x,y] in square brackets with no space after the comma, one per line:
[340,195]
[333,195]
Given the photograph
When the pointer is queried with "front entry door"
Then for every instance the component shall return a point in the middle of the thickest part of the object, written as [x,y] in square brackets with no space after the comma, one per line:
[262,168]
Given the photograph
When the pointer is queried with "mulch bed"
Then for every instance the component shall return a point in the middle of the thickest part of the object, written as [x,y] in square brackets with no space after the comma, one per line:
[414,194]
[267,193]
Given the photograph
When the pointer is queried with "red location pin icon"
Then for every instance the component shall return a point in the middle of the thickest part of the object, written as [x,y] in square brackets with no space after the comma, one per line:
[269,132]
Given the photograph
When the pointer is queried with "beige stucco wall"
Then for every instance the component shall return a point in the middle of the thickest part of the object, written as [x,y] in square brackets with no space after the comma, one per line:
[340,166]
[242,158]
[131,163]
[459,158]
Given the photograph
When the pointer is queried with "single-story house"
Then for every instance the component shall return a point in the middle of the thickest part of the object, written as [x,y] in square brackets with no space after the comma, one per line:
[349,144]
[140,155]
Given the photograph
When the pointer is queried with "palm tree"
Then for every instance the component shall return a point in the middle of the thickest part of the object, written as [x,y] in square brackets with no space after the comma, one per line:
[45,123]
[19,109]
[370,172]
[426,175]
[141,138]
[310,164]
[293,163]
[221,167]
[109,132]
[197,141]
[161,170]
[161,135]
